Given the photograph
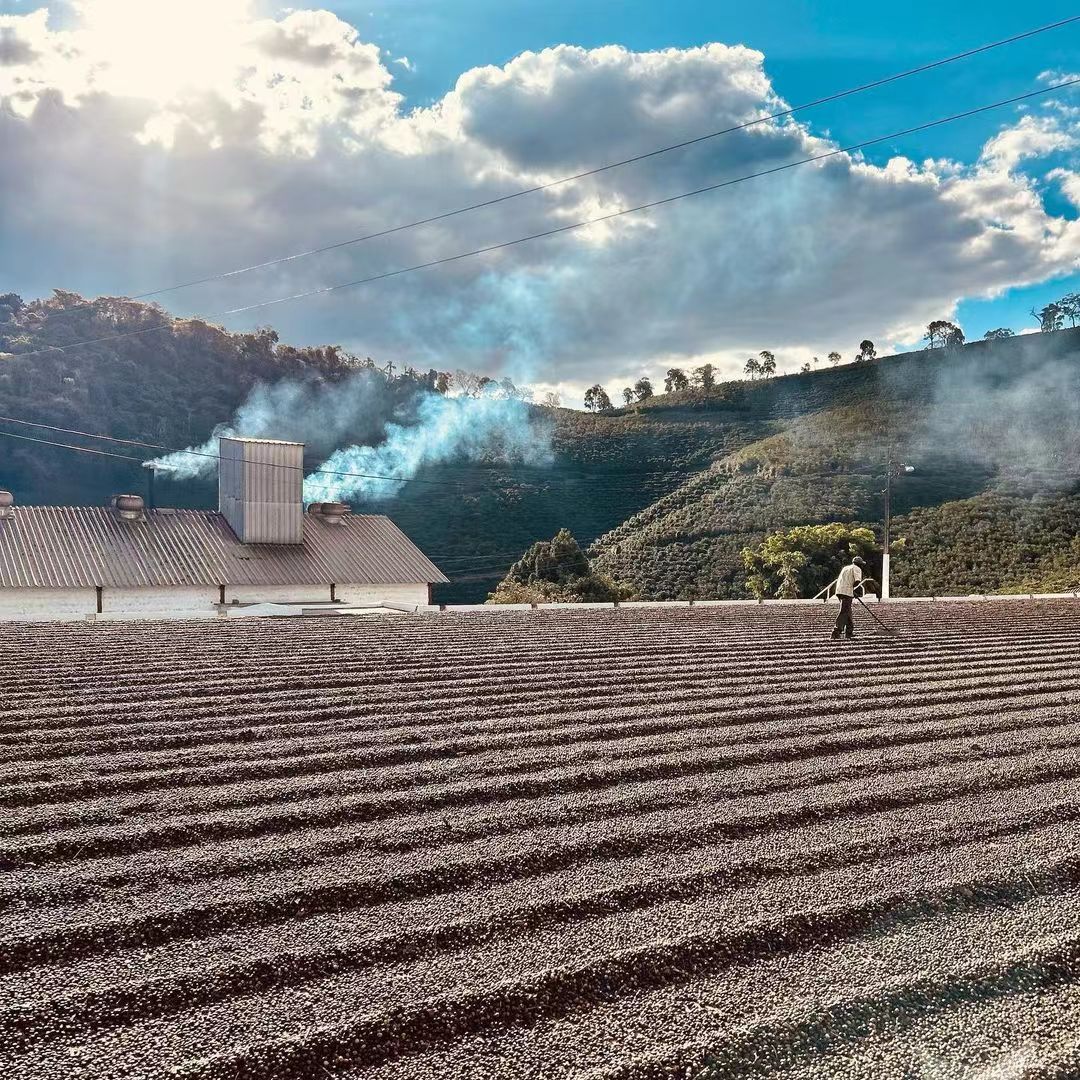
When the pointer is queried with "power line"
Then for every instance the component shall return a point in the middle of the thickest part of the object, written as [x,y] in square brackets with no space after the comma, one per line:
[838,96]
[456,485]
[704,473]
[90,435]
[614,476]
[481,564]
[475,467]
[70,446]
[653,204]
[217,457]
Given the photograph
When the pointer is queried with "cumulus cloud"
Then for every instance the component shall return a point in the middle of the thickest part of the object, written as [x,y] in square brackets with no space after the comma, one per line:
[1069,181]
[1031,137]
[250,137]
[15,49]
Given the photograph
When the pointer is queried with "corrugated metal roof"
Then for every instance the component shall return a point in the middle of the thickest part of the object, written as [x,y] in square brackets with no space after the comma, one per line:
[268,442]
[85,546]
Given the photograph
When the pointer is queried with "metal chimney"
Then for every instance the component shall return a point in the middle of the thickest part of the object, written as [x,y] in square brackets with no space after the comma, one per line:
[260,489]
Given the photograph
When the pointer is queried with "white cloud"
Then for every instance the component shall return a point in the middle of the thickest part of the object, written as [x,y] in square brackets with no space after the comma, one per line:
[1031,137]
[1069,182]
[257,137]
[405,62]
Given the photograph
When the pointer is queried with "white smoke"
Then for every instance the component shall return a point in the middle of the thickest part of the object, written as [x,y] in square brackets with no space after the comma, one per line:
[1013,407]
[322,414]
[484,429]
[196,462]
[366,431]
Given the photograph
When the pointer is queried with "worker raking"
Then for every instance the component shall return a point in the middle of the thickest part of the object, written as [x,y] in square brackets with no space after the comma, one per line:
[849,579]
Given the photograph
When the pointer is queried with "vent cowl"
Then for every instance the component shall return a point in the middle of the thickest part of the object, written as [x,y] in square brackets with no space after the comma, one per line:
[330,513]
[7,505]
[130,507]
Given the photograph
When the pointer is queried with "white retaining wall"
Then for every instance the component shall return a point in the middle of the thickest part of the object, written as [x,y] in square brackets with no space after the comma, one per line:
[634,604]
[202,603]
[192,601]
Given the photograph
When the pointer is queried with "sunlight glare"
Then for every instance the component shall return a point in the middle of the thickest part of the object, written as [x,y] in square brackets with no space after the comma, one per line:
[157,48]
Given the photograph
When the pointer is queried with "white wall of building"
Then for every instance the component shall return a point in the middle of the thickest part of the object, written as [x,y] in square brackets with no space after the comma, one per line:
[75,603]
[42,603]
[391,594]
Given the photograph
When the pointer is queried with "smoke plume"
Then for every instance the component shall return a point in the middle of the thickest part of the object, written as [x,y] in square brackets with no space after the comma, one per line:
[364,425]
[322,414]
[484,429]
[1013,407]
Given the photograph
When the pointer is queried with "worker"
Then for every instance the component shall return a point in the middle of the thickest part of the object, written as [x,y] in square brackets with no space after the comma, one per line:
[846,584]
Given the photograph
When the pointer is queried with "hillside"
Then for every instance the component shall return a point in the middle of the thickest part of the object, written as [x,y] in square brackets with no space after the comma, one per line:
[167,387]
[667,492]
[172,386]
[992,429]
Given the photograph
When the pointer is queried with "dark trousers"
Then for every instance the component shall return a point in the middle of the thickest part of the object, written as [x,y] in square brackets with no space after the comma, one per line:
[845,624]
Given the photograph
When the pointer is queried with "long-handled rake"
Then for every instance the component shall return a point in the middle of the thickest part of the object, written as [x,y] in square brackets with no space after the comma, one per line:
[880,625]
[894,634]
[886,629]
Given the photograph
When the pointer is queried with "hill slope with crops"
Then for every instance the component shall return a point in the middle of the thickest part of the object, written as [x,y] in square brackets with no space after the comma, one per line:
[992,429]
[412,848]
[667,492]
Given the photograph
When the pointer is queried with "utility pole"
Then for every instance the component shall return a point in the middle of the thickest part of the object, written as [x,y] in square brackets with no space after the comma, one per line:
[892,469]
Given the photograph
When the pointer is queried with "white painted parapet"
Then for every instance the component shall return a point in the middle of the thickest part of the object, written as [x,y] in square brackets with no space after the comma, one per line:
[56,605]
[192,602]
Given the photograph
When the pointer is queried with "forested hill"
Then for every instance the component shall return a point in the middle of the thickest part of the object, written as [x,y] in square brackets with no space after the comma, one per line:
[166,386]
[667,491]
[992,428]
[174,383]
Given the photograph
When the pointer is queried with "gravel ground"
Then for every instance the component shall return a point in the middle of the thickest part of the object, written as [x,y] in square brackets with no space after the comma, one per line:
[642,844]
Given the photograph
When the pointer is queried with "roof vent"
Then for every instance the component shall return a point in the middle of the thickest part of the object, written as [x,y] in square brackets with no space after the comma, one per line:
[7,505]
[330,513]
[130,507]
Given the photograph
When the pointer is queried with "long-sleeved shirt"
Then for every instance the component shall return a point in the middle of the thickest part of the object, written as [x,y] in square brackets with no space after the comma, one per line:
[849,577]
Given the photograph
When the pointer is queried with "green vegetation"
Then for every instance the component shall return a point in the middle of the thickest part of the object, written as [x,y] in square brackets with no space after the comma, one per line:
[988,421]
[990,543]
[556,570]
[665,493]
[941,334]
[170,386]
[1054,315]
[800,562]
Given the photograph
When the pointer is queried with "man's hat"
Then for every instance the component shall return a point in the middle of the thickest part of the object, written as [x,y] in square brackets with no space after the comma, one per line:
[859,561]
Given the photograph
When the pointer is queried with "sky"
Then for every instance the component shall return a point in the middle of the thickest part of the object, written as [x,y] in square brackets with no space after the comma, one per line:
[147,144]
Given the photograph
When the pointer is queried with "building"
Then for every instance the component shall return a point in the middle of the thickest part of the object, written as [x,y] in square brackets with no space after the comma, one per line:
[260,546]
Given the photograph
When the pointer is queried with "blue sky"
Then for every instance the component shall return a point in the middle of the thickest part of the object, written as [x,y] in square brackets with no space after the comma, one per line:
[810,49]
[147,152]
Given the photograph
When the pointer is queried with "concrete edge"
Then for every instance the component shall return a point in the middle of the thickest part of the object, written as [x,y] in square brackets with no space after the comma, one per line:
[256,611]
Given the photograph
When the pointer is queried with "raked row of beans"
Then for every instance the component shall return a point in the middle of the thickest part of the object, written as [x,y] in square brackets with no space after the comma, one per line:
[632,844]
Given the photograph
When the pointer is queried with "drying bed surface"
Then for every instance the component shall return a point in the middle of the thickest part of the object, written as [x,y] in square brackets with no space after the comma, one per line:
[641,844]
